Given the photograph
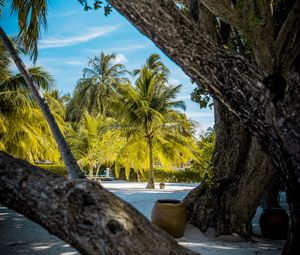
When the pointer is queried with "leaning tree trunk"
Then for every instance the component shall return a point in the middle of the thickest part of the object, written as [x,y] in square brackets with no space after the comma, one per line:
[240,168]
[69,160]
[81,212]
[234,81]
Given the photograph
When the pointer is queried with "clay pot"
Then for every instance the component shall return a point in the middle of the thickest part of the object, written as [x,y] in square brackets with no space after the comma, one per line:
[274,223]
[170,215]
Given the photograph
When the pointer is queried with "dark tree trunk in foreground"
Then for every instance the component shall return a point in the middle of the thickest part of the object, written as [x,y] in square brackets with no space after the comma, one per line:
[239,164]
[270,197]
[69,160]
[235,82]
[240,168]
[81,212]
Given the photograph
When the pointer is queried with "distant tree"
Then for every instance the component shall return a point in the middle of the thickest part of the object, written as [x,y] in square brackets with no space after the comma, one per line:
[95,141]
[99,82]
[148,115]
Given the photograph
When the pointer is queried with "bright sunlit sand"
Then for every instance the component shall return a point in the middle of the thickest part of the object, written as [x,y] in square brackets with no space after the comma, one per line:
[19,235]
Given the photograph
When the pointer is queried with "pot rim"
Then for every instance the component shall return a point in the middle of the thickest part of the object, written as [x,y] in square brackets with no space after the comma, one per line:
[169,201]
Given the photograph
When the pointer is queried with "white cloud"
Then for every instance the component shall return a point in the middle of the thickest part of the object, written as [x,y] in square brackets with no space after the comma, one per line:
[129,47]
[76,62]
[120,58]
[91,33]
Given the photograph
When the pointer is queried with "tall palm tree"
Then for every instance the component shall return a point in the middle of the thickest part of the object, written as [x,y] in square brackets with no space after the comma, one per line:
[31,17]
[93,91]
[148,112]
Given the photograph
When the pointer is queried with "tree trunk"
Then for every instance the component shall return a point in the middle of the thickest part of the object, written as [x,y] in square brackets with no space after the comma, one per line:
[98,169]
[138,175]
[270,197]
[150,184]
[233,81]
[69,160]
[81,212]
[91,170]
[233,156]
[240,168]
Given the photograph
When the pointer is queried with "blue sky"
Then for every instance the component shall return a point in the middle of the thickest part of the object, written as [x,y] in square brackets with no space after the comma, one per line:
[73,36]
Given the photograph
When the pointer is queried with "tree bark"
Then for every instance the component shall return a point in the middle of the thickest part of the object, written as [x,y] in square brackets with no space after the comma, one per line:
[237,157]
[270,197]
[234,82]
[81,212]
[240,168]
[69,160]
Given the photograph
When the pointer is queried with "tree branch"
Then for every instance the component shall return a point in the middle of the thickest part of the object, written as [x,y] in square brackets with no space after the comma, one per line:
[224,10]
[81,212]
[286,38]
[291,57]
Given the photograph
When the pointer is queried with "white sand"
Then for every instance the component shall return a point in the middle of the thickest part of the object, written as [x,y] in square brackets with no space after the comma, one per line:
[19,235]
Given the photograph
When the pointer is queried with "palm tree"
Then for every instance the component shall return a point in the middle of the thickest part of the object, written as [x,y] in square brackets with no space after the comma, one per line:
[96,141]
[31,16]
[99,82]
[148,114]
[24,132]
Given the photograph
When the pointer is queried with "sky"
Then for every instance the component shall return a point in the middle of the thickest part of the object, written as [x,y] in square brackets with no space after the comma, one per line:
[73,36]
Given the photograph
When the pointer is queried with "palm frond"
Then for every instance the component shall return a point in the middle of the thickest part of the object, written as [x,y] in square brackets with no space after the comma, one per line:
[31,19]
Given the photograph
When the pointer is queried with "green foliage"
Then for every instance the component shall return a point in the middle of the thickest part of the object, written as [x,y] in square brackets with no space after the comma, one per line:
[163,175]
[155,131]
[95,141]
[202,97]
[31,19]
[96,5]
[206,144]
[99,83]
[24,131]
[58,169]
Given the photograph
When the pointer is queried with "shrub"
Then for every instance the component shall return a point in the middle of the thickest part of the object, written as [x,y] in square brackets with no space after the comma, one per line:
[161,175]
[58,169]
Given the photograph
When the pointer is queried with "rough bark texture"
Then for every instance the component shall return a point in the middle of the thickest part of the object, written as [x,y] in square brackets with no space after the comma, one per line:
[234,82]
[237,158]
[240,168]
[81,212]
[69,160]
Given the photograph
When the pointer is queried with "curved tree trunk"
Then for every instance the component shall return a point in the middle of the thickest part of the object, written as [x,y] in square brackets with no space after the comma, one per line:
[240,168]
[69,160]
[81,212]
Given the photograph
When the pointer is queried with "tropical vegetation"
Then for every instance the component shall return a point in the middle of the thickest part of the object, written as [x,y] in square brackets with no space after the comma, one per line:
[108,121]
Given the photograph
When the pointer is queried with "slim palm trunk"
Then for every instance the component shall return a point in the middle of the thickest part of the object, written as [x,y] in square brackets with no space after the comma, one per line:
[150,184]
[69,160]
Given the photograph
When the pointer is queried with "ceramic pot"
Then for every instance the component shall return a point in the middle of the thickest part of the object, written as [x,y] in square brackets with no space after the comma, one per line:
[170,215]
[274,223]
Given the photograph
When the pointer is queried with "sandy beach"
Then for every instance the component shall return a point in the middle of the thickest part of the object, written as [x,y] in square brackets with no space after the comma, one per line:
[18,235]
